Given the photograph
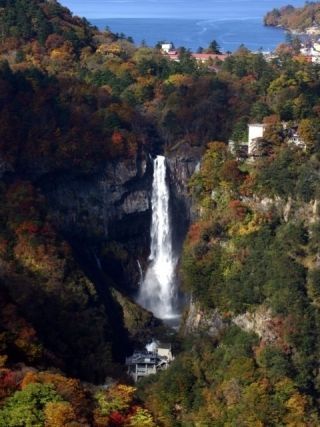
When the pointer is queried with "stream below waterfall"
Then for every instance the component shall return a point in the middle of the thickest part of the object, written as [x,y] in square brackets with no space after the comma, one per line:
[158,291]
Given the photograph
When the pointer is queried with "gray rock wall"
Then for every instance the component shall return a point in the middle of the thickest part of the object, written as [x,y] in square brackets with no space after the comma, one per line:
[94,206]
[182,164]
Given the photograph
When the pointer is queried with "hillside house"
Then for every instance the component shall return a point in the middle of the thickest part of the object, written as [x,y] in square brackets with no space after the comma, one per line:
[256,130]
[311,51]
[249,148]
[144,363]
[255,133]
[293,136]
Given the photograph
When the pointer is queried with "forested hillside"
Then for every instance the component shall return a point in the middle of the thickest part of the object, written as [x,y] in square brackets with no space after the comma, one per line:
[251,264]
[81,112]
[293,18]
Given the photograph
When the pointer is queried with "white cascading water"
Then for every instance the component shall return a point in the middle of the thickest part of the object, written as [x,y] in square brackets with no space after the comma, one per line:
[157,290]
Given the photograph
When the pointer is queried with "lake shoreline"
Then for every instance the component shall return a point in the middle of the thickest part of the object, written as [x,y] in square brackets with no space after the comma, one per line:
[195,33]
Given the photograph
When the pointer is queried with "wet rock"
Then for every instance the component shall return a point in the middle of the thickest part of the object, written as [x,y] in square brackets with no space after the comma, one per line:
[198,320]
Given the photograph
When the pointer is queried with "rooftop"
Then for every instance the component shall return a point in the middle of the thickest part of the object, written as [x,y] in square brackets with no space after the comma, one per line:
[207,56]
[146,357]
[166,346]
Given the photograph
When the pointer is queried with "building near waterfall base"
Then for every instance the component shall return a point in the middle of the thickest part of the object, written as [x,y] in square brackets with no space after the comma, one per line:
[144,363]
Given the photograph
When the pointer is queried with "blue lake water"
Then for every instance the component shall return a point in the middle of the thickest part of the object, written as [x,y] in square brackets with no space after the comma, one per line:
[195,33]
[188,23]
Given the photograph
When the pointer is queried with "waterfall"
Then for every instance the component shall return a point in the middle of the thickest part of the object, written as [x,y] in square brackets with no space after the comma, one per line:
[157,292]
[140,273]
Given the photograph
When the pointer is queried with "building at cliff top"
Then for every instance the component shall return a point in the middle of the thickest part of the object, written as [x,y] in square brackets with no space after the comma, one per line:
[256,132]
[248,148]
[144,363]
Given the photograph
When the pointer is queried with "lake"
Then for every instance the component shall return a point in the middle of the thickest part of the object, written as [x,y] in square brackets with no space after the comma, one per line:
[195,33]
[187,23]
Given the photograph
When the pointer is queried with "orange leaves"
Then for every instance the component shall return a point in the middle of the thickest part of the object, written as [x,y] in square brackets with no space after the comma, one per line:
[272,120]
[248,79]
[124,392]
[197,231]
[231,173]
[118,143]
[54,41]
[19,334]
[194,233]
[63,53]
[123,142]
[116,407]
[59,414]
[238,210]
[36,244]
[117,138]
[247,187]
[69,389]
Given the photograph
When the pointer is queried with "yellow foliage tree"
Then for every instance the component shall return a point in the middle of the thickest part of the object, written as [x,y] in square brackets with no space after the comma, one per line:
[60,414]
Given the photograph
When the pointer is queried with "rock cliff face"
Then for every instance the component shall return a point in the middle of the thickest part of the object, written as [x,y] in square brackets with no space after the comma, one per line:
[198,320]
[269,328]
[94,205]
[289,209]
[113,204]
[182,163]
[107,213]
[262,322]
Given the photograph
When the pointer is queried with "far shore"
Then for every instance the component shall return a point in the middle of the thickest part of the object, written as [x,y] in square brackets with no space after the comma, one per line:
[310,31]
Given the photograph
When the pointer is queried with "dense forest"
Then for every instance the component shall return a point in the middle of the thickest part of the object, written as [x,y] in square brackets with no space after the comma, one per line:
[292,18]
[75,99]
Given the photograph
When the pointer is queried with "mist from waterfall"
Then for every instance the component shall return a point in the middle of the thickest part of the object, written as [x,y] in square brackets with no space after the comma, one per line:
[157,291]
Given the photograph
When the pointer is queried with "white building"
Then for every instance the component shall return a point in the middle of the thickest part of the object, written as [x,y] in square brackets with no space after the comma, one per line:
[306,51]
[316,47]
[144,363]
[312,51]
[165,351]
[256,130]
[167,47]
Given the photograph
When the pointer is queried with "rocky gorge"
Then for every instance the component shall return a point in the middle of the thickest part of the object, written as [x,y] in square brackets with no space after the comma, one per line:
[109,211]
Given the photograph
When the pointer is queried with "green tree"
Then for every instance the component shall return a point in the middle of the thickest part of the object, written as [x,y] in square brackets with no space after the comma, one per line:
[309,132]
[26,407]
[214,47]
